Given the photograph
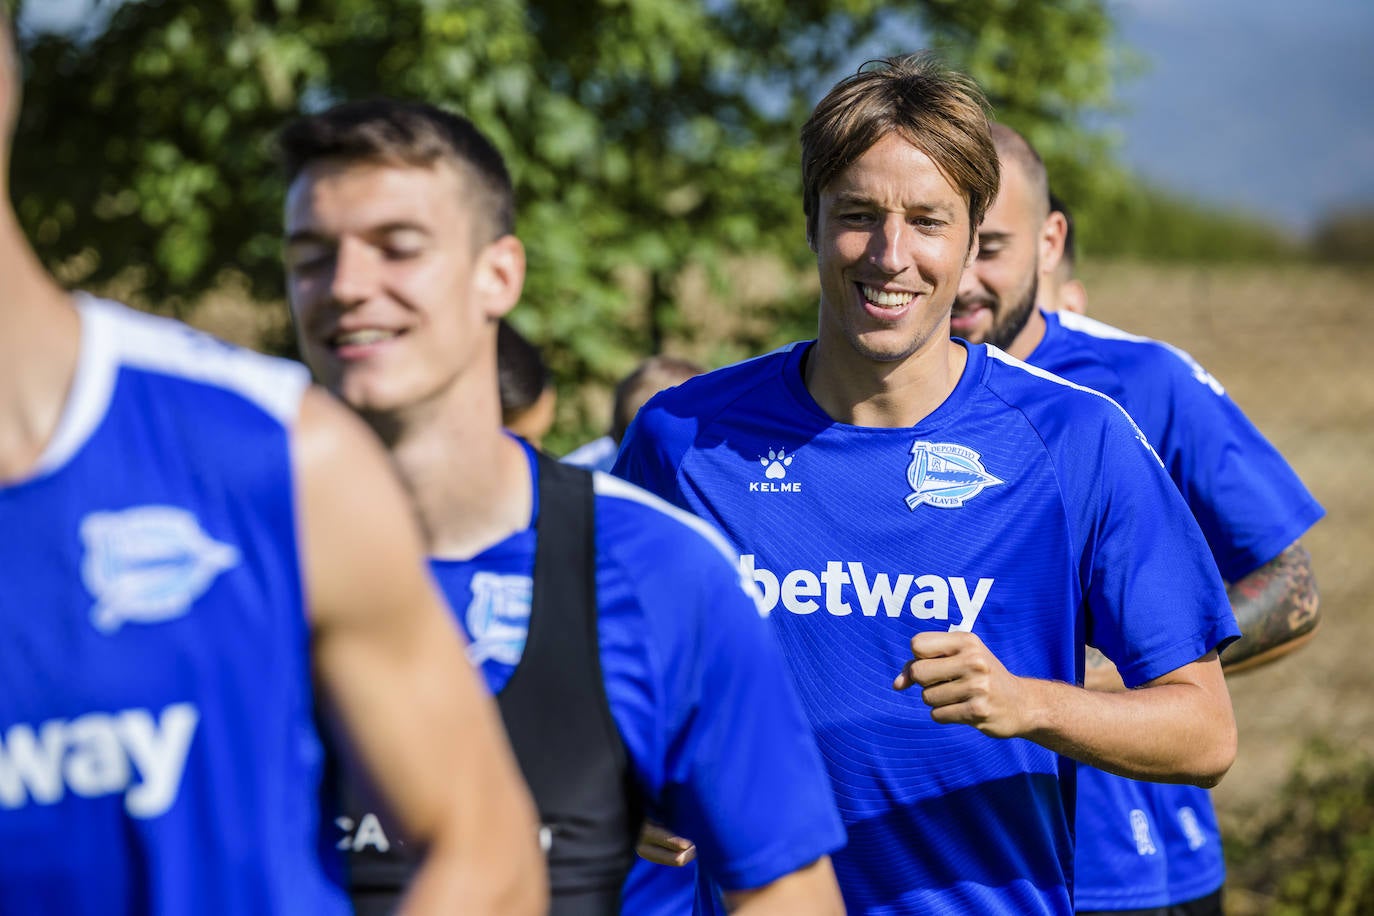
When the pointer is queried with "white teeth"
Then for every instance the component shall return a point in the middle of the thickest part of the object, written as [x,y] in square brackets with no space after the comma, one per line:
[887,299]
[363,337]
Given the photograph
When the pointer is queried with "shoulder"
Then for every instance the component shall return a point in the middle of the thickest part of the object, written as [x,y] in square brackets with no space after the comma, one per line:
[1139,360]
[598,454]
[639,527]
[695,403]
[164,347]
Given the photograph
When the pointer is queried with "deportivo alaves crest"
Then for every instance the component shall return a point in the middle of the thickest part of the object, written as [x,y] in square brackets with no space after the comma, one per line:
[945,475]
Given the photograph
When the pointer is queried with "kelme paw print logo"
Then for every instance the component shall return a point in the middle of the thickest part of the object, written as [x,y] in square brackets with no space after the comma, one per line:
[776,464]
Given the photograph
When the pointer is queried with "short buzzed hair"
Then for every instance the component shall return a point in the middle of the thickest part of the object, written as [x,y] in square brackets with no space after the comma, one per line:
[395,132]
[1013,147]
[939,111]
[648,378]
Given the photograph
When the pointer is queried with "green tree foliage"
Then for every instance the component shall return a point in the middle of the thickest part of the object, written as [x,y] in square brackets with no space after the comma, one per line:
[646,136]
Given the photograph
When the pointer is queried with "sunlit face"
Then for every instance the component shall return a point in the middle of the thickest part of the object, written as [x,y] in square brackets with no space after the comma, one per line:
[892,235]
[392,293]
[997,293]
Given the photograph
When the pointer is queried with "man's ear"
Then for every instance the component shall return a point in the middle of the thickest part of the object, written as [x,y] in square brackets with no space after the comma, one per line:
[500,275]
[1053,233]
[972,249]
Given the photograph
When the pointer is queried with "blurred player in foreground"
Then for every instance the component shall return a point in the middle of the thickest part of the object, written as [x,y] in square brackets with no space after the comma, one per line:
[631,668]
[190,533]
[1146,848]
[917,507]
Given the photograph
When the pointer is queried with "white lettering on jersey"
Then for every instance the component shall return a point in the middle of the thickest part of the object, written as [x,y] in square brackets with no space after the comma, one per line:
[1187,819]
[799,590]
[99,754]
[369,833]
[1140,832]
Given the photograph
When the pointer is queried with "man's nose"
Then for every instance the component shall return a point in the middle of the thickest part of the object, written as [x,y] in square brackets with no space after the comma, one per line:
[889,248]
[356,272]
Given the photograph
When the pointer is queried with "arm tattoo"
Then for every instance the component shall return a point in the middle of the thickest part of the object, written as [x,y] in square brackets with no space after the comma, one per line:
[1274,605]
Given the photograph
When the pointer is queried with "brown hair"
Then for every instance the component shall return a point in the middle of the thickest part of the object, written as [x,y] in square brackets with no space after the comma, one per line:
[939,111]
[403,133]
[649,378]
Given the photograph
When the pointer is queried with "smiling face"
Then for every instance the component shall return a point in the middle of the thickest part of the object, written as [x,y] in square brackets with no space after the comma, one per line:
[394,289]
[892,236]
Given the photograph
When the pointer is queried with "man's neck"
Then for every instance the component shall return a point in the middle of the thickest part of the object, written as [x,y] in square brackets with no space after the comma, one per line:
[859,391]
[39,349]
[1029,338]
[468,479]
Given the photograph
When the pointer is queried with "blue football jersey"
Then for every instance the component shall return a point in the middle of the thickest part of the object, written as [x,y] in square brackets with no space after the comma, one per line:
[1141,844]
[157,747]
[1024,509]
[716,738]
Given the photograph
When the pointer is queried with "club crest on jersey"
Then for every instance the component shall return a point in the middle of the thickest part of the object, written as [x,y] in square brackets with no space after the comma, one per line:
[945,475]
[498,617]
[148,564]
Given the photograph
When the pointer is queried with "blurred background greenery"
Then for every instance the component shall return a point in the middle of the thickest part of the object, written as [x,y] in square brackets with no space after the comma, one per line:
[653,142]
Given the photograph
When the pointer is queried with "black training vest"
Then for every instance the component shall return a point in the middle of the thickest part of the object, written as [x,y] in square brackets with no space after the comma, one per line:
[559,722]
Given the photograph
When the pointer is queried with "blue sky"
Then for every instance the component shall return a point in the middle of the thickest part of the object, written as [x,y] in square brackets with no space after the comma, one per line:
[1266,105]
[1262,105]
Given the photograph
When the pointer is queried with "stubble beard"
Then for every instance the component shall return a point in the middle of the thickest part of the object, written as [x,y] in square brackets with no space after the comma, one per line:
[1003,333]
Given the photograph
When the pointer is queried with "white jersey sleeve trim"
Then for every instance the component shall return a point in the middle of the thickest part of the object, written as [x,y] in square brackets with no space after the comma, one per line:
[606,485]
[89,397]
[1093,328]
[1010,360]
[165,346]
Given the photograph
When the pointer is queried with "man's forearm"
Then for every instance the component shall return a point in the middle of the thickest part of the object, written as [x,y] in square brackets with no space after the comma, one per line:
[1175,729]
[1276,607]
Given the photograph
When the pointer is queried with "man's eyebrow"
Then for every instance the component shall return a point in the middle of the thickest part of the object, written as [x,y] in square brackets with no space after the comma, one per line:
[991,236]
[307,236]
[854,198]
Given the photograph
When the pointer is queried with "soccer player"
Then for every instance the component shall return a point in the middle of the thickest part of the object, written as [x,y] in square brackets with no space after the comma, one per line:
[1059,290]
[648,379]
[192,535]
[927,515]
[632,670]
[1142,847]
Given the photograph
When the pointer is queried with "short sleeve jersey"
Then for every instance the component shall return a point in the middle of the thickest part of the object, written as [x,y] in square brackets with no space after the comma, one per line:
[1145,845]
[158,752]
[1025,510]
[716,737]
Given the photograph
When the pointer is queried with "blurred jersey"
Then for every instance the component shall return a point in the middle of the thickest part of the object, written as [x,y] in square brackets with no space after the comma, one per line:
[1024,510]
[1143,844]
[717,743]
[157,747]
